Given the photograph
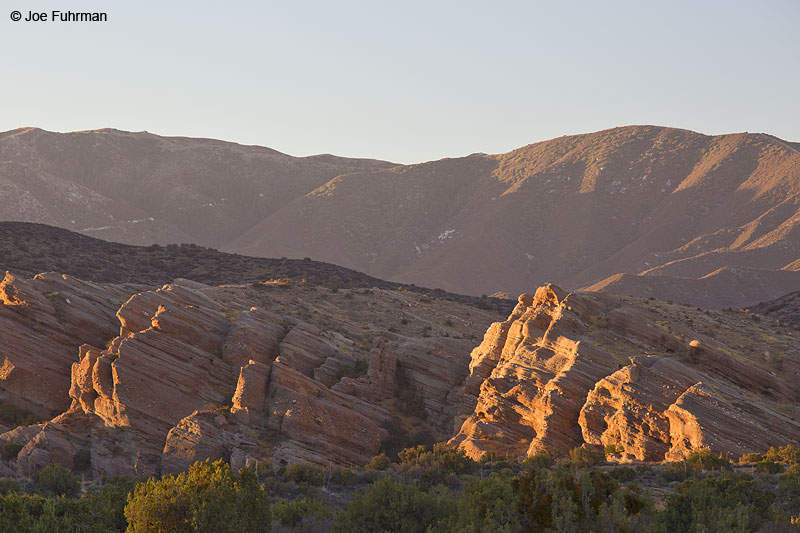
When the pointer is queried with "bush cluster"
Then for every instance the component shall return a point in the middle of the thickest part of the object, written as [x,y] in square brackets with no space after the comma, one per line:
[431,489]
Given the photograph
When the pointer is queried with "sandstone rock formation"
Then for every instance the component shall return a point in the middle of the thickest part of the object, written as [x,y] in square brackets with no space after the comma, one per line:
[554,375]
[196,372]
[275,375]
[42,323]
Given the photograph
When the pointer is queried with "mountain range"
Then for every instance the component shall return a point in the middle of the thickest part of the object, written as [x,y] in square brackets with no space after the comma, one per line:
[641,210]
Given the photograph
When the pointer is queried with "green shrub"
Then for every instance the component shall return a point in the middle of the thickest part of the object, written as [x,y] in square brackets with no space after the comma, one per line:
[304,474]
[613,449]
[540,459]
[345,477]
[30,512]
[389,505]
[623,474]
[442,458]
[788,454]
[378,462]
[751,458]
[586,456]
[292,513]
[56,480]
[558,500]
[107,503]
[82,460]
[769,467]
[487,505]
[788,495]
[704,460]
[730,503]
[207,497]
[10,450]
[411,455]
[8,484]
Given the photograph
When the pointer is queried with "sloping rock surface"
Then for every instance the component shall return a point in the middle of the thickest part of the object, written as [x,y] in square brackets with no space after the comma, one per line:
[191,375]
[275,375]
[572,369]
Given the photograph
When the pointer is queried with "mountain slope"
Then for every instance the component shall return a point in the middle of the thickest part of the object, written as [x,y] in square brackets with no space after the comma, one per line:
[726,287]
[27,249]
[572,210]
[141,188]
[785,309]
[657,205]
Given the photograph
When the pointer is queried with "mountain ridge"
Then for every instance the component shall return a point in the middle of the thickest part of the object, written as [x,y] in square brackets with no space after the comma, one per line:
[575,223]
[29,249]
[577,210]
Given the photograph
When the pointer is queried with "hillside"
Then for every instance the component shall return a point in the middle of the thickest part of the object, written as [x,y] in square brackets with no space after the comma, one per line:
[140,188]
[574,210]
[726,287]
[27,249]
[786,308]
[659,206]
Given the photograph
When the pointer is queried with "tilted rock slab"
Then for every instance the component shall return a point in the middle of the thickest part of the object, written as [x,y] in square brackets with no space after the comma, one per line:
[188,378]
[541,380]
[42,322]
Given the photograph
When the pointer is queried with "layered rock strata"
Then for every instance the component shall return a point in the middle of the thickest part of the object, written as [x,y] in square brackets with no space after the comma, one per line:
[193,372]
[554,375]
[42,322]
[189,378]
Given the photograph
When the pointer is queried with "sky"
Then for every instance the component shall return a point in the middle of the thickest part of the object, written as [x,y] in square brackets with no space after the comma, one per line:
[403,81]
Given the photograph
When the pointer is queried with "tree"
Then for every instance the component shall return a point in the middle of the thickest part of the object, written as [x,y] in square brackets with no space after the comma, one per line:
[730,503]
[56,480]
[389,505]
[206,498]
[488,505]
[583,456]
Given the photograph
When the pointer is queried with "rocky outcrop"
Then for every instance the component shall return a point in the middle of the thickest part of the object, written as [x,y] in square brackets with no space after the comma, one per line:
[249,400]
[538,384]
[198,372]
[432,370]
[628,408]
[744,374]
[42,322]
[204,434]
[189,378]
[552,376]
[321,426]
[378,383]
[704,416]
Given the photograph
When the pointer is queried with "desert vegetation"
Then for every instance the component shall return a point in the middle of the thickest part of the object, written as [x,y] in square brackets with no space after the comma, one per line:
[433,489]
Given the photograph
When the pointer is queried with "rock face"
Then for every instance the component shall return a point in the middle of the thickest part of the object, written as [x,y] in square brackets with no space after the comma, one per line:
[554,376]
[42,322]
[538,375]
[198,372]
[189,377]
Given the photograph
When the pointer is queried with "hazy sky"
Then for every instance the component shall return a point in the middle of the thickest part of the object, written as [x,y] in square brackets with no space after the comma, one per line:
[404,81]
